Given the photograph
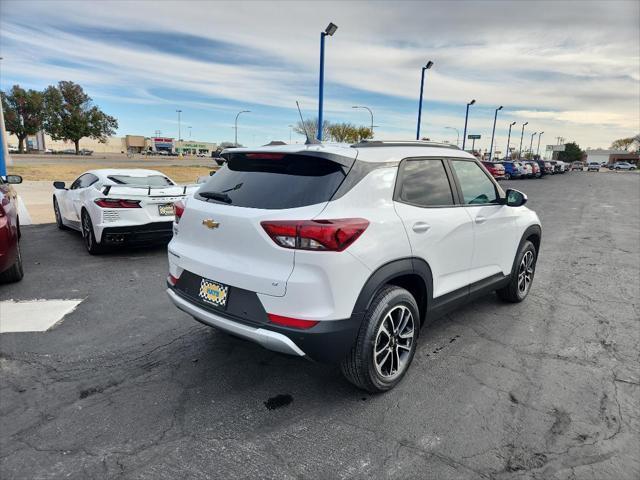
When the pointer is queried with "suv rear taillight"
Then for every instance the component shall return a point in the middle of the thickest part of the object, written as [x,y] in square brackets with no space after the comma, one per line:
[318,235]
[117,203]
[178,207]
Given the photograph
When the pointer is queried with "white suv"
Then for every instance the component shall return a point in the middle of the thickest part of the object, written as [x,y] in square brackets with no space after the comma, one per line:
[341,253]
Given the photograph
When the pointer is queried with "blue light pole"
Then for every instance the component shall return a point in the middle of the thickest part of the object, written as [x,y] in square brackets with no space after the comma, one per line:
[466,117]
[426,67]
[506,155]
[521,137]
[330,30]
[493,133]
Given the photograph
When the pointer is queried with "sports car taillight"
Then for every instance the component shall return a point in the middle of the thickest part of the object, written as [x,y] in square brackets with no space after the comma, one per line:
[317,235]
[178,207]
[117,203]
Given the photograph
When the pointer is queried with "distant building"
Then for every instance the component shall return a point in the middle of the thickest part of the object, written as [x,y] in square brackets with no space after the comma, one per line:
[611,156]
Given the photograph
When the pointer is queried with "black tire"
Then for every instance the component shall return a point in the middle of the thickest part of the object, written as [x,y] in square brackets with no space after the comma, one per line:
[15,272]
[56,211]
[88,235]
[522,275]
[507,176]
[388,308]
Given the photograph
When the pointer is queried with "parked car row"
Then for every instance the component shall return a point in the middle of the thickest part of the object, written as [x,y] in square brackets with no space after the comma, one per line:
[596,166]
[508,170]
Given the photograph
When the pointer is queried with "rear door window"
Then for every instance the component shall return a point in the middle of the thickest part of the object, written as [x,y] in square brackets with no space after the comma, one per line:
[273,181]
[424,183]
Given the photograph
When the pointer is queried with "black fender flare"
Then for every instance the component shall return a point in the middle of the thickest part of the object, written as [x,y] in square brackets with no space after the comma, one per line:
[387,272]
[531,230]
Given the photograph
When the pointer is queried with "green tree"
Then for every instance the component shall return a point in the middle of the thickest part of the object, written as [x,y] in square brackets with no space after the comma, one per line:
[23,112]
[348,133]
[625,143]
[572,153]
[71,115]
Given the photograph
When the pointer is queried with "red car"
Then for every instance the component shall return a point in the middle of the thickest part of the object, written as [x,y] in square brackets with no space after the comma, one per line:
[495,169]
[10,260]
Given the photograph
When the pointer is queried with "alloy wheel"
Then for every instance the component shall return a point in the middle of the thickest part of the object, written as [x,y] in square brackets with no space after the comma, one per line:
[86,231]
[525,273]
[394,342]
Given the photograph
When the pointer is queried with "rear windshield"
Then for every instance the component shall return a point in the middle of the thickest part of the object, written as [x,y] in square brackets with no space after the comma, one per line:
[273,181]
[150,181]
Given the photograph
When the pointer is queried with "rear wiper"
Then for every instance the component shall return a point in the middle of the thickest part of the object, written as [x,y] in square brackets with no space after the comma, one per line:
[219,196]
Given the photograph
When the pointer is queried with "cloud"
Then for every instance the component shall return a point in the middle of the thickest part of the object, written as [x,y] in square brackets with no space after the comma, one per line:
[563,68]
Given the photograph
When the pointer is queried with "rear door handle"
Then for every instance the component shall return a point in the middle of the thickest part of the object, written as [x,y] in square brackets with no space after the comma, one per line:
[421,227]
[480,219]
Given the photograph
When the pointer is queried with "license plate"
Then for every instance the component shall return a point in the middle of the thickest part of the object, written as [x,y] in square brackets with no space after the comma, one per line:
[166,210]
[213,293]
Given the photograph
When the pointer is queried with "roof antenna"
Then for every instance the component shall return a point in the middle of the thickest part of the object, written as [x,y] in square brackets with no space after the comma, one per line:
[310,141]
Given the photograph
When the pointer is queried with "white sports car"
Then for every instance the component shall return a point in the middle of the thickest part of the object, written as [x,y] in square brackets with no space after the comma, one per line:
[119,206]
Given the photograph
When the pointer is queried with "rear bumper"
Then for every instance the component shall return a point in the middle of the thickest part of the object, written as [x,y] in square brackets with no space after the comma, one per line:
[138,234]
[328,342]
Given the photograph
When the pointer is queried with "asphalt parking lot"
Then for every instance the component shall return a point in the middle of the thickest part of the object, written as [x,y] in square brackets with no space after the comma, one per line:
[128,386]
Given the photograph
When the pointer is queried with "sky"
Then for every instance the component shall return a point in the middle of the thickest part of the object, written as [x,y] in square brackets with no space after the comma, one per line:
[570,69]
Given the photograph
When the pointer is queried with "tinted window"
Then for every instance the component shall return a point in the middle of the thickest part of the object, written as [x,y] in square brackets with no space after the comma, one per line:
[425,183]
[273,181]
[84,181]
[477,188]
[149,181]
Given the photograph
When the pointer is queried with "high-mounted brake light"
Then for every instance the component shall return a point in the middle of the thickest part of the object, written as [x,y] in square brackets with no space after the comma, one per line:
[292,322]
[318,235]
[265,156]
[117,203]
[178,207]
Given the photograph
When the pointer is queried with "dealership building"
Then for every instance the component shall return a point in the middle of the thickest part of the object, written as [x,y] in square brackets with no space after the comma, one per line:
[126,144]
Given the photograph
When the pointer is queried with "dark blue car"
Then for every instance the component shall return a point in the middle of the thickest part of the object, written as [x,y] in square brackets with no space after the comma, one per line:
[510,170]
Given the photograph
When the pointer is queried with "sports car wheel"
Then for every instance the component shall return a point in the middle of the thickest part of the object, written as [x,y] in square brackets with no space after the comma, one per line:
[56,211]
[88,235]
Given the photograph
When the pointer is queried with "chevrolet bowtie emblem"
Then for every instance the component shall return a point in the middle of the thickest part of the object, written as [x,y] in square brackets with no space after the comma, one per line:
[210,223]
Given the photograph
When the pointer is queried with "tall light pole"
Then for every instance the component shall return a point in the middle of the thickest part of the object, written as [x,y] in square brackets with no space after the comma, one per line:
[236,125]
[531,145]
[466,117]
[457,135]
[290,130]
[426,67]
[370,113]
[508,140]
[189,132]
[493,133]
[329,31]
[179,126]
[538,149]
[521,137]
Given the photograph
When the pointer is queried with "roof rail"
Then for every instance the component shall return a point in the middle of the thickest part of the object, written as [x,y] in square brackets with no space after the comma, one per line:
[402,143]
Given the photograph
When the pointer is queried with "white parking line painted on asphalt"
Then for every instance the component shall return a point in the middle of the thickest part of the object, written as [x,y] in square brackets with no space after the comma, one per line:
[23,213]
[33,315]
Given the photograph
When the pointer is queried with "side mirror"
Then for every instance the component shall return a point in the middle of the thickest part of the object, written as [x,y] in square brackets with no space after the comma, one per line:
[515,198]
[58,185]
[14,179]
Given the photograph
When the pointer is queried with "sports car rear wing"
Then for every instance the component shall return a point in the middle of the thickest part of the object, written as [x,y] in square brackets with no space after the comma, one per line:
[167,190]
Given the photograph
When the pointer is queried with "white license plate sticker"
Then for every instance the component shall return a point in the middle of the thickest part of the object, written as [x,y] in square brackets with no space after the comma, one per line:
[213,292]
[166,210]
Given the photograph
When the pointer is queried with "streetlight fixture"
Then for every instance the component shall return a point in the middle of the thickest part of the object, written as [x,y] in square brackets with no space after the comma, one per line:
[508,140]
[329,31]
[457,135]
[493,133]
[236,125]
[531,145]
[538,149]
[466,117]
[179,129]
[426,67]
[521,137]
[370,113]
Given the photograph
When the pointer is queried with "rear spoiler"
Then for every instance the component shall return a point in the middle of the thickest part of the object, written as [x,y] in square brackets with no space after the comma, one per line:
[108,188]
